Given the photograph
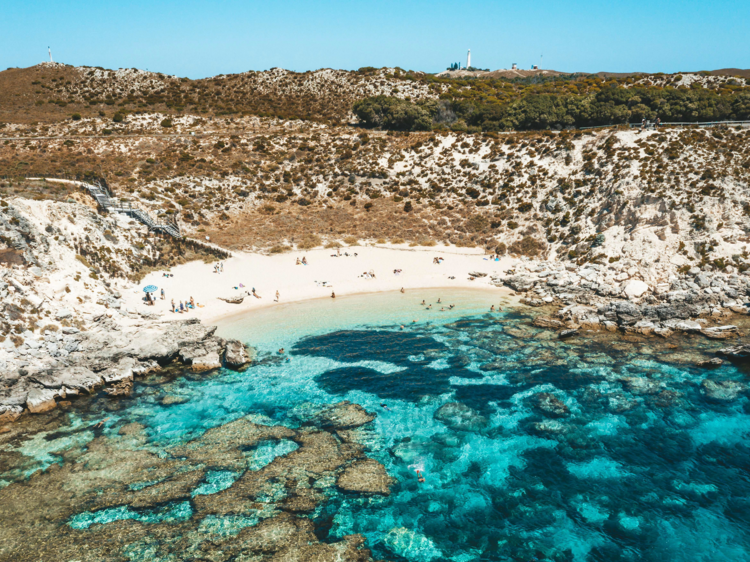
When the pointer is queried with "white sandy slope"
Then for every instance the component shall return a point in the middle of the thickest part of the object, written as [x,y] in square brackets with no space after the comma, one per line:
[268,274]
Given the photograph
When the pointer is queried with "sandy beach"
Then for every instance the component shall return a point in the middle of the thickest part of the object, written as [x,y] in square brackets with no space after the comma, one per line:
[323,274]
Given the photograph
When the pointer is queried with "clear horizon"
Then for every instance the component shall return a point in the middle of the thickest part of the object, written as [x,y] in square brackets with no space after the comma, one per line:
[197,40]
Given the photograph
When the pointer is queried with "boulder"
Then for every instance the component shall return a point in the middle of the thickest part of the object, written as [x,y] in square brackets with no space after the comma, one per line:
[519,283]
[75,378]
[722,391]
[627,313]
[460,417]
[208,362]
[123,371]
[720,332]
[41,399]
[549,405]
[688,326]
[635,288]
[712,363]
[738,353]
[703,280]
[120,388]
[477,274]
[236,355]
[10,413]
[567,333]
[547,322]
[366,476]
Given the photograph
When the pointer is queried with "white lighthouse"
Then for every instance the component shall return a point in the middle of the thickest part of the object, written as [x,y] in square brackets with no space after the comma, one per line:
[468,59]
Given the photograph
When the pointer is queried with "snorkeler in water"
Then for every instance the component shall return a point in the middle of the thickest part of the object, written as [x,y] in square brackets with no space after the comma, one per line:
[386,407]
[420,477]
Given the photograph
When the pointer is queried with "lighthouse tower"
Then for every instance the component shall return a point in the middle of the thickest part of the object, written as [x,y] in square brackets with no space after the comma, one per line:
[468,59]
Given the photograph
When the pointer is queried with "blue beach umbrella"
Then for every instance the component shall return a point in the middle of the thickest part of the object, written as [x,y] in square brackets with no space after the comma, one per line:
[150,289]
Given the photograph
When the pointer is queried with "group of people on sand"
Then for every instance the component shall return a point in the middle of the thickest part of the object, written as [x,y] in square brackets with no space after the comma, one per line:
[494,257]
[368,274]
[185,306]
[338,254]
[438,260]
[303,262]
[219,267]
[397,271]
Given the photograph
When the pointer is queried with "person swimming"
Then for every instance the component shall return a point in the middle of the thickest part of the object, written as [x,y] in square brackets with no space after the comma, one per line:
[420,476]
[423,303]
[386,407]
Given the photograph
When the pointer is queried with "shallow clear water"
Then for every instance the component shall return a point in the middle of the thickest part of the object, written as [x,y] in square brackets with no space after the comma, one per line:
[631,462]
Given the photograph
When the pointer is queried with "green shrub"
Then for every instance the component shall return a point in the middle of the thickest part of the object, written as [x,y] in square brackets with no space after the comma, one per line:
[76,117]
[166,123]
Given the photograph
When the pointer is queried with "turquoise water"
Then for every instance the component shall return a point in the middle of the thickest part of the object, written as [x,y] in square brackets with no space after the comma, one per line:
[632,463]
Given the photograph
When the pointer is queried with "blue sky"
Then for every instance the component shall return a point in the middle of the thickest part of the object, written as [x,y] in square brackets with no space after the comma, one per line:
[198,39]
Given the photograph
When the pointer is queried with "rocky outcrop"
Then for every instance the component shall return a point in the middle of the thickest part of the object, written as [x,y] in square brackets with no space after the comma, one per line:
[737,353]
[712,363]
[233,300]
[722,391]
[236,355]
[460,417]
[549,405]
[626,296]
[365,477]
[203,355]
[109,357]
[343,415]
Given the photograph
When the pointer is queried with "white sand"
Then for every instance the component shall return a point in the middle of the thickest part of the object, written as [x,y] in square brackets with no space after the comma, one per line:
[267,274]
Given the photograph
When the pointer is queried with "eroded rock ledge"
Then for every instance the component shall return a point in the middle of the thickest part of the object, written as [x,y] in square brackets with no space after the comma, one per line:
[616,297]
[111,356]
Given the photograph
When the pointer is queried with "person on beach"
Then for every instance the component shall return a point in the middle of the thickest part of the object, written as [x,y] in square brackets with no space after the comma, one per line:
[182,307]
[172,305]
[256,295]
[402,290]
[420,477]
[298,262]
[277,296]
[221,264]
[192,302]
[163,296]
[333,295]
[304,260]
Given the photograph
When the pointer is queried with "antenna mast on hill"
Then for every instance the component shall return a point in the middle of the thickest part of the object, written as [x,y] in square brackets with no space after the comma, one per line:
[50,54]
[468,59]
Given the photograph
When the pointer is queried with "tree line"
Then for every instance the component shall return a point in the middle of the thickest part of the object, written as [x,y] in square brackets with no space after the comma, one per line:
[611,105]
